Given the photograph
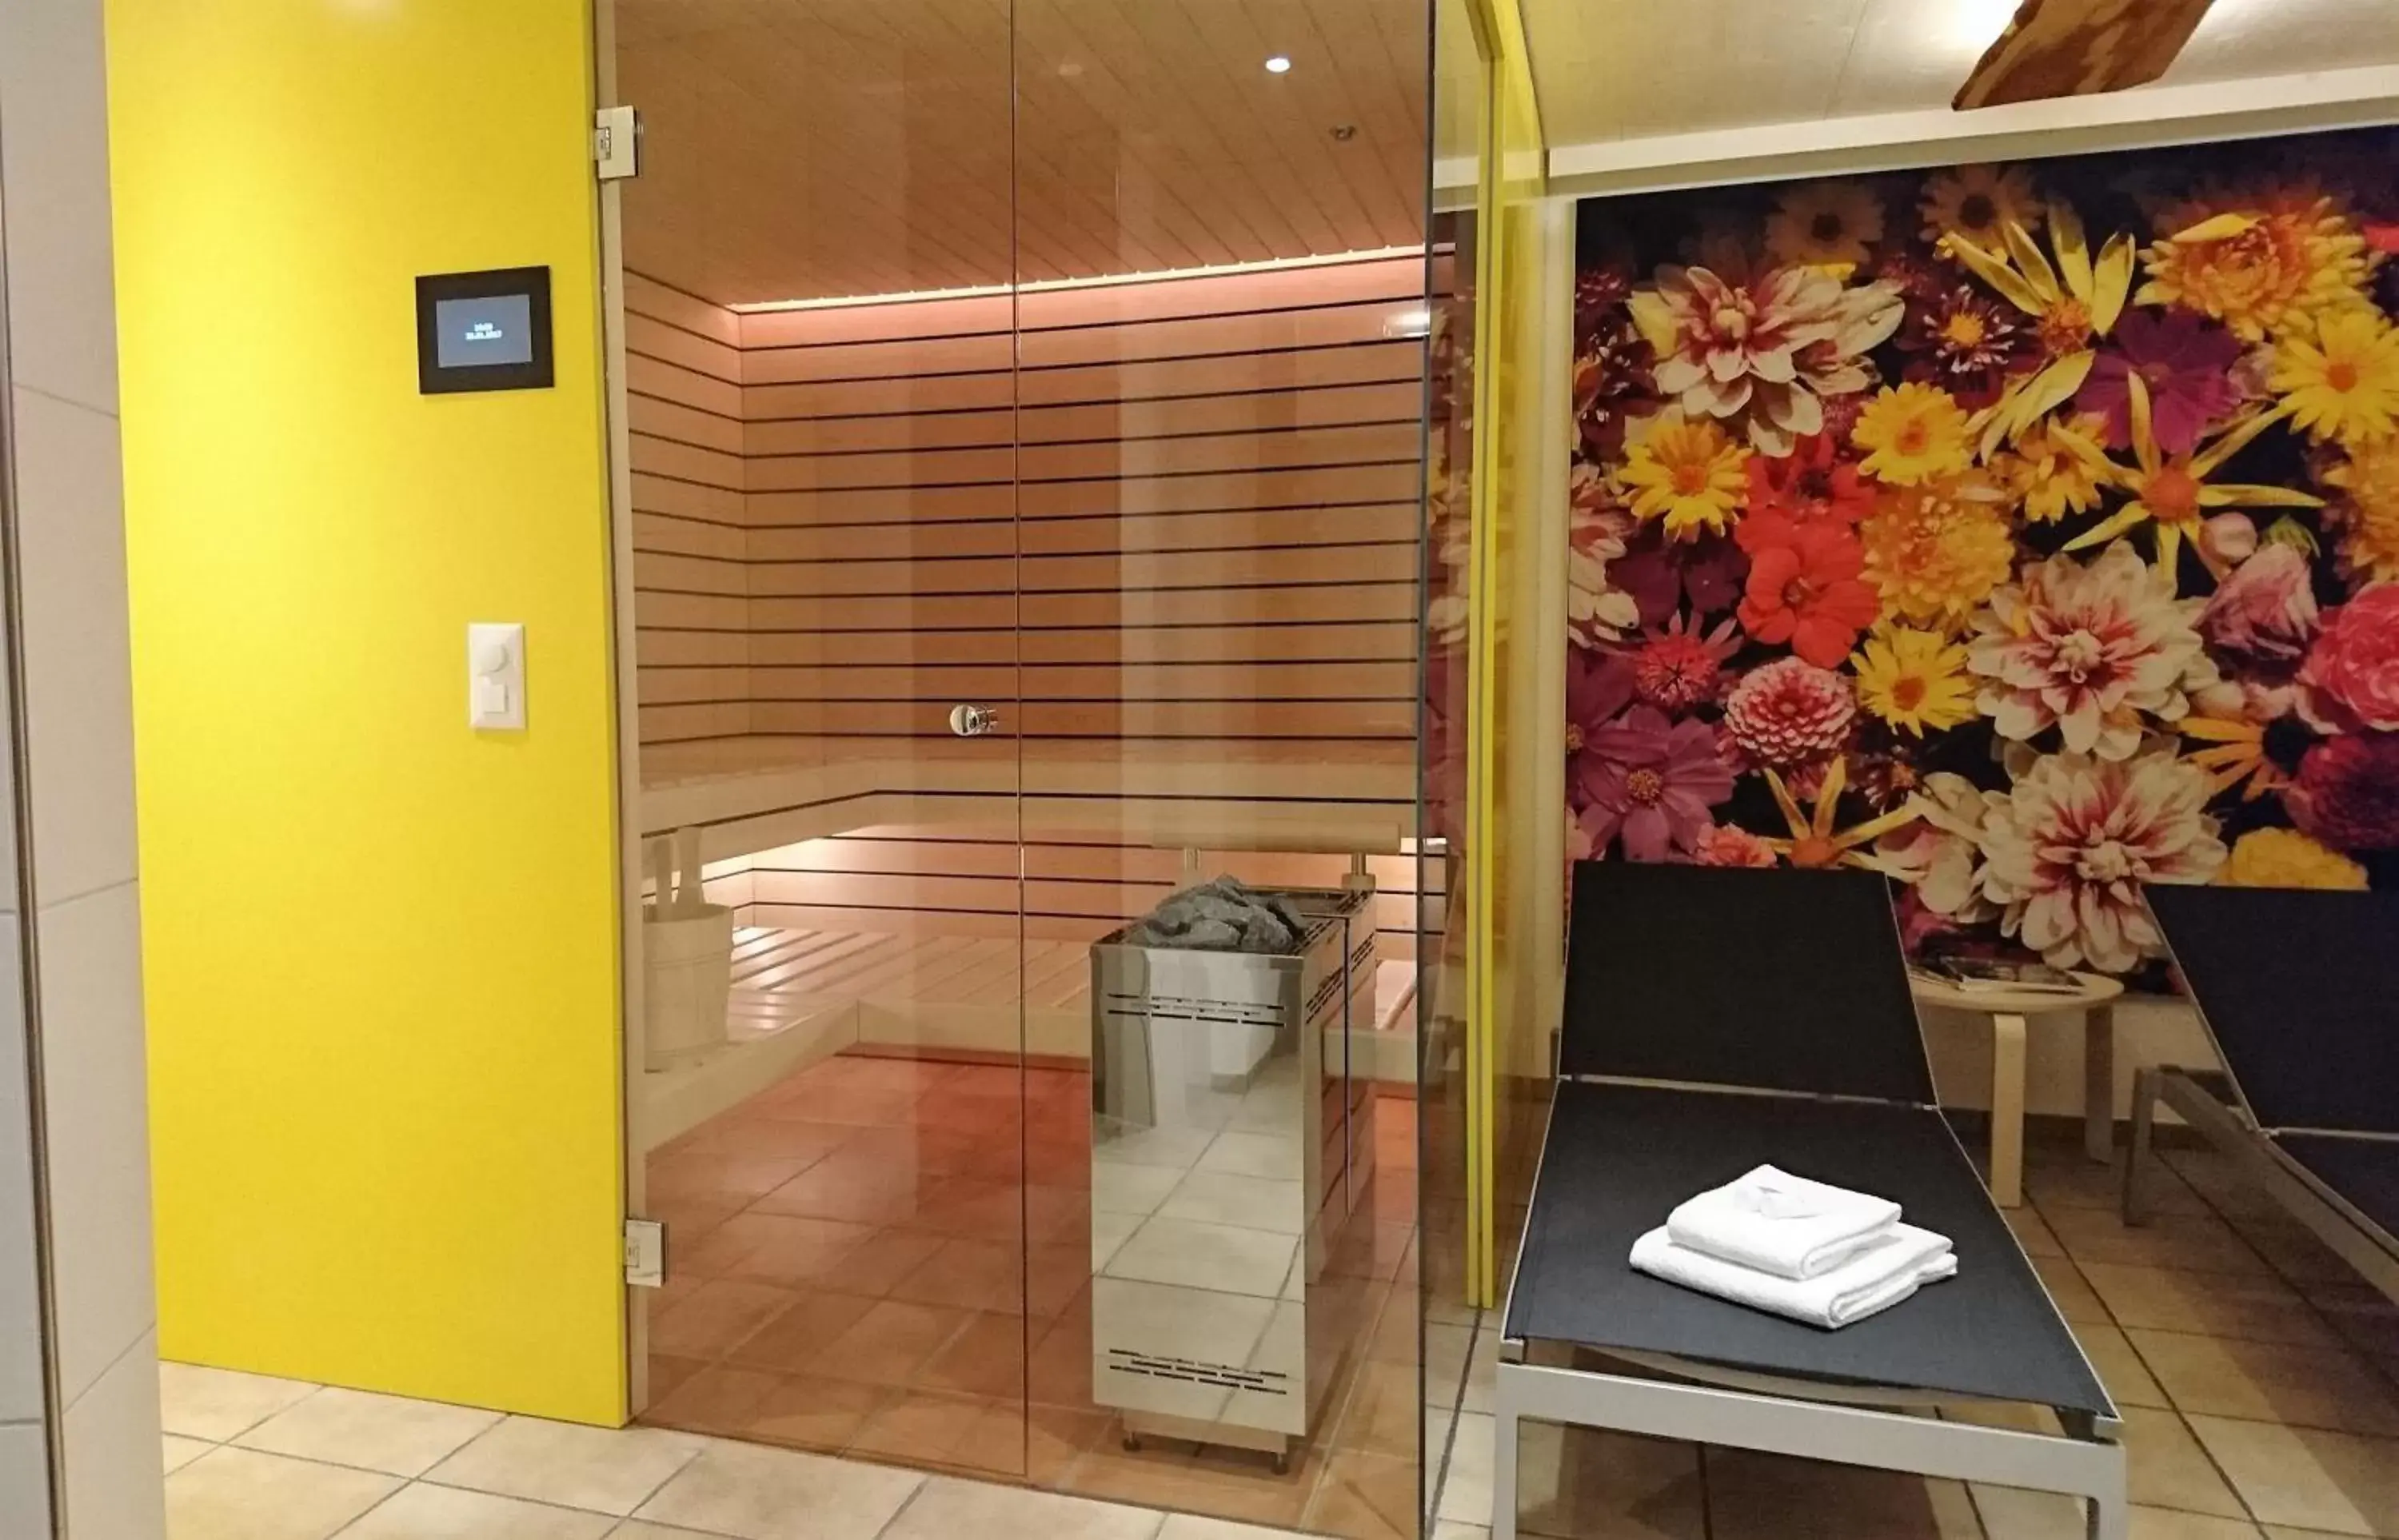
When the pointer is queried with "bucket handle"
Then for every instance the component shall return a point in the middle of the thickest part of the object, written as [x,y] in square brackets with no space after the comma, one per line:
[675,881]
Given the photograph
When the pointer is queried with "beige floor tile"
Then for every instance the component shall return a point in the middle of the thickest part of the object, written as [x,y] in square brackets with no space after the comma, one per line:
[2058,1180]
[240,1495]
[2128,1380]
[1445,1530]
[948,1509]
[2271,1382]
[2167,1469]
[2010,1513]
[390,1434]
[178,1451]
[2033,1233]
[1466,1489]
[2292,1249]
[605,1470]
[1754,1496]
[1575,1482]
[634,1529]
[776,1494]
[2166,1524]
[2212,1175]
[218,1404]
[422,1512]
[1482,1369]
[2208,1305]
[2071,1292]
[2308,1479]
[1184,1526]
[2198,1243]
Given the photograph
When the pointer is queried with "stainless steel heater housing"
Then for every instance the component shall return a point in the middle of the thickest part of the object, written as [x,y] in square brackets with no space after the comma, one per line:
[1230,1148]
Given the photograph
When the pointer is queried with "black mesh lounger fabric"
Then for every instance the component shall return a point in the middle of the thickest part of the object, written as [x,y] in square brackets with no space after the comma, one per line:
[2365,1171]
[1780,981]
[1619,1158]
[2300,989]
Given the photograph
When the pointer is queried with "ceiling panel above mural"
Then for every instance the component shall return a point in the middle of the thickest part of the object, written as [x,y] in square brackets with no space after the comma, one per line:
[1609,71]
[802,149]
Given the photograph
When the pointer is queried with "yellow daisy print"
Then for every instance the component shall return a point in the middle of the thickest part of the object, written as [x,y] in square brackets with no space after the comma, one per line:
[2342,382]
[1825,224]
[1976,203]
[1914,432]
[1688,475]
[2052,471]
[1915,680]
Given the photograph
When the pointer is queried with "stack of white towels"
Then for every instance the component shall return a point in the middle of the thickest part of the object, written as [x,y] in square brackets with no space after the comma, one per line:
[1773,1241]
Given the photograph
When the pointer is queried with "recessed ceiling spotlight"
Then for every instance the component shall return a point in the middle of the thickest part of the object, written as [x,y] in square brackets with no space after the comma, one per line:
[1278,65]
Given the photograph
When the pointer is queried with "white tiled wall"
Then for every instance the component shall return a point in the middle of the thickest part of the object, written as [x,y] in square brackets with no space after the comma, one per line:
[79,733]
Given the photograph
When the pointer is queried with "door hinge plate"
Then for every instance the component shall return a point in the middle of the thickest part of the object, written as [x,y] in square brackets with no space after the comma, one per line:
[645,1253]
[617,144]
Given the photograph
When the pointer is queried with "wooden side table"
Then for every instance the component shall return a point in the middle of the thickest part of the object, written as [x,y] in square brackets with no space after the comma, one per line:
[2010,1011]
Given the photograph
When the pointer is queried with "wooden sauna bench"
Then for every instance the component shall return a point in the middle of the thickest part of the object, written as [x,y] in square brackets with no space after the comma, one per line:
[803,993]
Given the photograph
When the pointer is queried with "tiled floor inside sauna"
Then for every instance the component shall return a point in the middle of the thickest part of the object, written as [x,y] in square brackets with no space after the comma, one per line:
[2259,1381]
[858,1269]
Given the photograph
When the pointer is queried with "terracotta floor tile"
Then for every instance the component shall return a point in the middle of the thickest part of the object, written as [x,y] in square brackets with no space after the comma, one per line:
[717,1317]
[876,1267]
[891,1343]
[976,1208]
[1367,1496]
[1385,1413]
[753,1134]
[1043,1444]
[720,1178]
[927,1427]
[1060,1371]
[970,1275]
[791,1343]
[804,1413]
[1055,1277]
[857,1192]
[985,1358]
[720,1399]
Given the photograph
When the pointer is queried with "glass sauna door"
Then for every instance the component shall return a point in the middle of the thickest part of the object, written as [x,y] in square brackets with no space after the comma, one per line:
[819,463]
[1221,277]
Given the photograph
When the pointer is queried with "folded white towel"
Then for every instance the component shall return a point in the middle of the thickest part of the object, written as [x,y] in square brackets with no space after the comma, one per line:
[1780,1223]
[1885,1273]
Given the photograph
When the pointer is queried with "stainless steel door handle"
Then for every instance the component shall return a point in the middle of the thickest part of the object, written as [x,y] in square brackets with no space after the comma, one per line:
[972,721]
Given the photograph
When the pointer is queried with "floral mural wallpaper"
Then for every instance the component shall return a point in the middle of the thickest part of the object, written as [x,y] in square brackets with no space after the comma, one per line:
[2027,532]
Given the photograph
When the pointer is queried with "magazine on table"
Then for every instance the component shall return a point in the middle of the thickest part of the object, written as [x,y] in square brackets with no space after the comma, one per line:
[2000,975]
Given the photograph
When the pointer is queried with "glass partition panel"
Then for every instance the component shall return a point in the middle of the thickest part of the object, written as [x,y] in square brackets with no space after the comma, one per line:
[1220,229]
[820,411]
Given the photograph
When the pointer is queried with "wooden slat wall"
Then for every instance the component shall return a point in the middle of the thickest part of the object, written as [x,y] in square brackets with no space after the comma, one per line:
[1179,510]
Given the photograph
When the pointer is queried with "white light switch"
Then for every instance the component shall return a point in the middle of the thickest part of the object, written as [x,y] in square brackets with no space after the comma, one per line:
[496,676]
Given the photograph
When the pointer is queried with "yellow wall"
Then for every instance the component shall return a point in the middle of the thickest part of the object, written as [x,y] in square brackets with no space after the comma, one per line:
[381,950]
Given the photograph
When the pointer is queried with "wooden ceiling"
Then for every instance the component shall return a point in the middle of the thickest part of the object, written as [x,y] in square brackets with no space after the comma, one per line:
[808,149]
[1610,71]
